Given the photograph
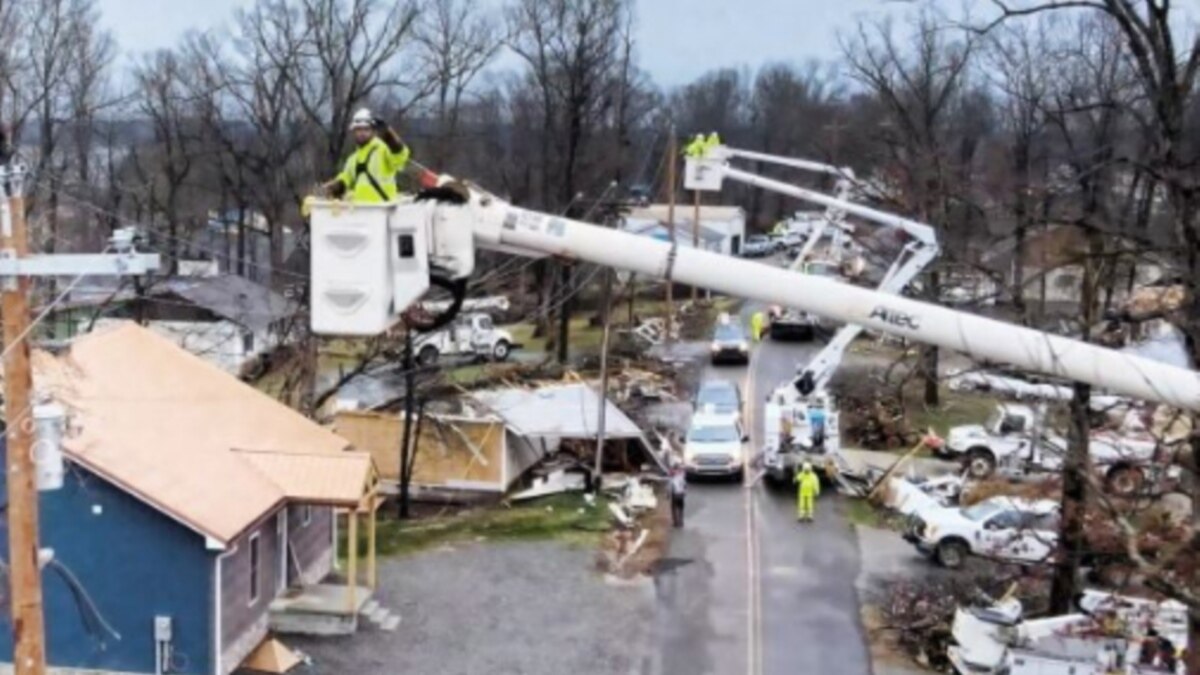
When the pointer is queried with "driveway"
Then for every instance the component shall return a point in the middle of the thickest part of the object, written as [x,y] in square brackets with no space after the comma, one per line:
[500,608]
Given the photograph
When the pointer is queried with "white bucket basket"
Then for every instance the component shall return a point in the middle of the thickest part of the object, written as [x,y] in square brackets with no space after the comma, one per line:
[352,270]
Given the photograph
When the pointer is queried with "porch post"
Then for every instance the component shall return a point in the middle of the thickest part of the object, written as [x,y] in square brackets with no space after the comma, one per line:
[371,567]
[352,567]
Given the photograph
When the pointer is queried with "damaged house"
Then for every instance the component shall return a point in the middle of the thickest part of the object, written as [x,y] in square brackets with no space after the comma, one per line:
[488,440]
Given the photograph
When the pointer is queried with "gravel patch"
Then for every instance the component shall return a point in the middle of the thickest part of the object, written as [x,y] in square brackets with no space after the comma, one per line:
[532,608]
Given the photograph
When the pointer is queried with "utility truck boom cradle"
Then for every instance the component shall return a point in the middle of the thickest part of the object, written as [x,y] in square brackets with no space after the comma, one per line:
[371,263]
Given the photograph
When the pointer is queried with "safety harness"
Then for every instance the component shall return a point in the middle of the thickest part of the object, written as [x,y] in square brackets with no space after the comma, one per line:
[362,169]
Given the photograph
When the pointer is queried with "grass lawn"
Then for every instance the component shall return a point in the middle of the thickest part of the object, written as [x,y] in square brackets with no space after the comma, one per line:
[564,517]
[863,512]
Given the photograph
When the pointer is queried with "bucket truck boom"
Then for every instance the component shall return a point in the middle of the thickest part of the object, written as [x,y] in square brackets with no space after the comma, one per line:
[370,263]
[787,433]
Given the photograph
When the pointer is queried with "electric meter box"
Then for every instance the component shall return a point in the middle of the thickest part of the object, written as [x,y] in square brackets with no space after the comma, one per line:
[702,174]
[49,425]
[351,285]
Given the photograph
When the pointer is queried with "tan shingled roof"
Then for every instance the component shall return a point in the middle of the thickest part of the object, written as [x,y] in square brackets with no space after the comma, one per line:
[191,440]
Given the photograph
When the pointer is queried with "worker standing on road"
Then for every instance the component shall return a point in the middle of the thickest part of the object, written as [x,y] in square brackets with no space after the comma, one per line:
[369,176]
[677,483]
[816,424]
[808,486]
[757,320]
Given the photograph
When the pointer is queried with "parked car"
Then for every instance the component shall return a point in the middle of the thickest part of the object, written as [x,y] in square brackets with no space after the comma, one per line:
[715,446]
[719,397]
[790,324]
[757,246]
[730,344]
[1004,528]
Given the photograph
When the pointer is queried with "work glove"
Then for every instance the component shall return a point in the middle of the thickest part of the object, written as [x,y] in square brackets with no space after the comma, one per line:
[379,124]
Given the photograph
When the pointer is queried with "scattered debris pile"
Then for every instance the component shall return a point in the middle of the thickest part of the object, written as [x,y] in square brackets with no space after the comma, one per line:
[876,423]
[918,616]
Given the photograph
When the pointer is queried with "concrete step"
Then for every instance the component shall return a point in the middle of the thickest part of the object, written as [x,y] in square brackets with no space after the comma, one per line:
[371,606]
[389,624]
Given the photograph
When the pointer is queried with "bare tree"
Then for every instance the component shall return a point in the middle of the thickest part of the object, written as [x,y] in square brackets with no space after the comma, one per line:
[919,88]
[351,51]
[165,101]
[458,39]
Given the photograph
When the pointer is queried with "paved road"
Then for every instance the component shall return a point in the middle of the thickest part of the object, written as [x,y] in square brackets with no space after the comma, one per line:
[746,589]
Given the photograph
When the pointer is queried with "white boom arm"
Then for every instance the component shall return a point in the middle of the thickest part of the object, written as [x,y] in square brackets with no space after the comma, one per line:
[371,263]
[915,256]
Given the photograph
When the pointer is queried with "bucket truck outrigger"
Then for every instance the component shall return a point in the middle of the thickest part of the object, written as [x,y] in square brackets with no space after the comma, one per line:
[801,422]
[372,263]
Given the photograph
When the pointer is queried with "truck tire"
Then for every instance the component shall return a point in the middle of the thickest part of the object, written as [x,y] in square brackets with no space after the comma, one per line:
[952,553]
[427,355]
[500,350]
[979,463]
[1125,480]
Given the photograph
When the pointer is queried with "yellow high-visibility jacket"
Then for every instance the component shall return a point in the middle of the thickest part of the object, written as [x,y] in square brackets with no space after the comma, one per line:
[370,172]
[809,484]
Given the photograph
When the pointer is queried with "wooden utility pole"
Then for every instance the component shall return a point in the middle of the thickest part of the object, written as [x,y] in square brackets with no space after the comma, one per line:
[406,437]
[29,648]
[604,342]
[671,161]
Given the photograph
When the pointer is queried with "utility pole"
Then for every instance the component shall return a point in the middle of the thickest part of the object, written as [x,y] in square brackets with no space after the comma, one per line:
[564,312]
[406,440]
[29,647]
[604,342]
[671,159]
[17,268]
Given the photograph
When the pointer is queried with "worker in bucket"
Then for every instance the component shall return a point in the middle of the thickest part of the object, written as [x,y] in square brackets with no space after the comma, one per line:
[696,148]
[369,176]
[677,483]
[757,321]
[808,486]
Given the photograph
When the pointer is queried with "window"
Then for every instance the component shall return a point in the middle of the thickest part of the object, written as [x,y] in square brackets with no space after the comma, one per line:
[254,565]
[247,342]
[1008,520]
[305,515]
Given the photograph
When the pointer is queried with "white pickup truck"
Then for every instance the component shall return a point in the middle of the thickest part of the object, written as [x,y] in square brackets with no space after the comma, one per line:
[1002,528]
[471,334]
[1015,442]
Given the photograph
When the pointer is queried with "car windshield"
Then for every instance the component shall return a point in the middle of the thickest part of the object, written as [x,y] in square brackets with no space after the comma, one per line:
[981,511]
[720,395]
[485,323]
[756,239]
[713,434]
[728,332]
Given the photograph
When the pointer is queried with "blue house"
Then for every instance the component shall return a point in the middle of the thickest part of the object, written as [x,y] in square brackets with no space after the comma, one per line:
[192,506]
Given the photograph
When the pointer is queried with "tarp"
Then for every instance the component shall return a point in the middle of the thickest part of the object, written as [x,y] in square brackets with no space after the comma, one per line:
[557,411]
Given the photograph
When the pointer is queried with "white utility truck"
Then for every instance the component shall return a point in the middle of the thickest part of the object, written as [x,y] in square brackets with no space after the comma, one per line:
[472,335]
[1016,441]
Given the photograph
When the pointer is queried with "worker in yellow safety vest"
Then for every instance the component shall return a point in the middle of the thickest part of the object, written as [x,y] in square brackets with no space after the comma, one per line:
[696,148]
[757,322]
[369,176]
[712,142]
[808,486]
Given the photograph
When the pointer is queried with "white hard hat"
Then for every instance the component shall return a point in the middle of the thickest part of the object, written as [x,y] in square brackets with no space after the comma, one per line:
[363,119]
[807,466]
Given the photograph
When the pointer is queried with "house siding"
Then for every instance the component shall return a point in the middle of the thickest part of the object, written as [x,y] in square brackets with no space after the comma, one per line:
[135,563]
[311,545]
[243,621]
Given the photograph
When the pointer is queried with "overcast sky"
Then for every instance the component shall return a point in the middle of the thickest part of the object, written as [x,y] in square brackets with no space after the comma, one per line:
[678,39]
